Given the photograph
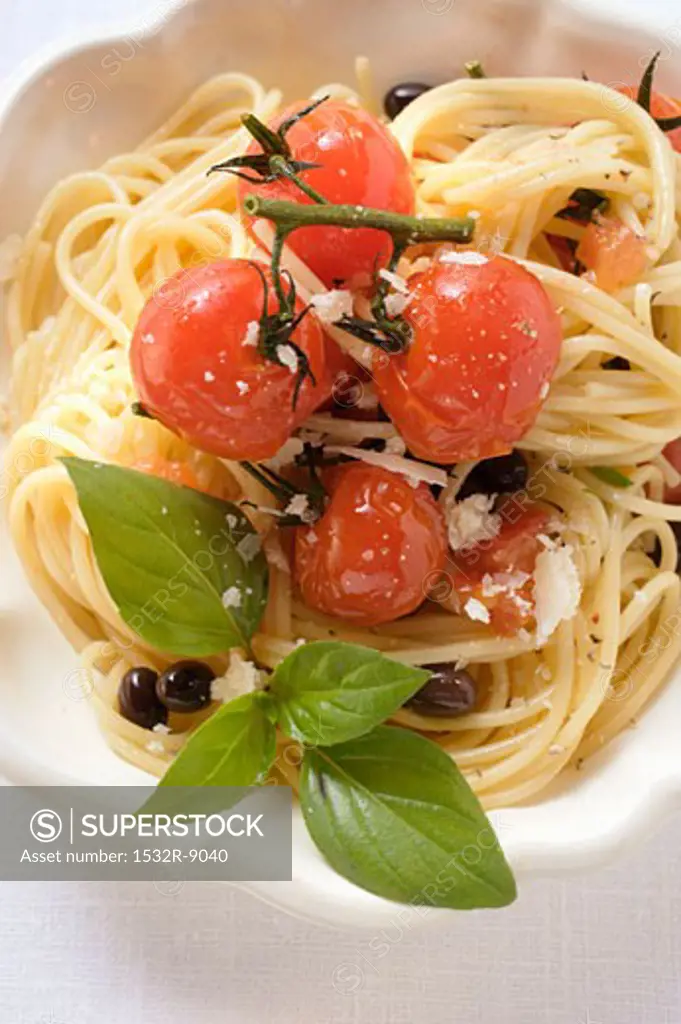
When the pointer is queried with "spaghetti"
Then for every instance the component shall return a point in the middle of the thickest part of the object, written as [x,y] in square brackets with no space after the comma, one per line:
[510,153]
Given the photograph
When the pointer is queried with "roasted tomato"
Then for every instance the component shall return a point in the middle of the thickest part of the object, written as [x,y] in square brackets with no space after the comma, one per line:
[613,252]
[498,572]
[168,469]
[359,163]
[486,340]
[672,452]
[198,368]
[660,106]
[368,558]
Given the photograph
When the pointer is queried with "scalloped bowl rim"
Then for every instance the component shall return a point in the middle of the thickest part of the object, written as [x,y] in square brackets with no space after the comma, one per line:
[316,893]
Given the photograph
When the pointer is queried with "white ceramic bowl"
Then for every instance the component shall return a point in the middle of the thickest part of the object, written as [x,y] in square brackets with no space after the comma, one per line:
[79,103]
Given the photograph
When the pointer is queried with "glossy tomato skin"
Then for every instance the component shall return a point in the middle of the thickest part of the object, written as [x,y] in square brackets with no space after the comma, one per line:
[368,558]
[513,550]
[168,469]
[360,163]
[660,106]
[486,340]
[194,372]
[611,250]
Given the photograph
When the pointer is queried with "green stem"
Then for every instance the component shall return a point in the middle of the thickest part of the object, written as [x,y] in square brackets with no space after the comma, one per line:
[269,140]
[404,230]
[474,69]
[277,247]
[281,167]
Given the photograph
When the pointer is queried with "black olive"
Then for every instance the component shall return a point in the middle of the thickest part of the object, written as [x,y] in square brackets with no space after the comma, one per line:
[657,550]
[503,475]
[185,686]
[137,700]
[400,96]
[617,363]
[449,691]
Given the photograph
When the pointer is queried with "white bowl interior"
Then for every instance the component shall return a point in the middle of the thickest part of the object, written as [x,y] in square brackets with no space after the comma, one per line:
[47,730]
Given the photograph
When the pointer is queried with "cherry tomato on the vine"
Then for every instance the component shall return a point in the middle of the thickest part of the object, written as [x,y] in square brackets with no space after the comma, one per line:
[360,163]
[513,550]
[368,558]
[198,370]
[486,340]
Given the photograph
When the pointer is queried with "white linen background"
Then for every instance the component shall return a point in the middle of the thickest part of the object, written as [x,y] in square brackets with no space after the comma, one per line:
[604,948]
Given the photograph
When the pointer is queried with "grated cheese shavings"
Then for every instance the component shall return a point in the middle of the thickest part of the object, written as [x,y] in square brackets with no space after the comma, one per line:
[416,473]
[288,357]
[397,282]
[467,258]
[476,610]
[470,521]
[252,334]
[333,305]
[241,677]
[557,590]
[299,505]
[231,597]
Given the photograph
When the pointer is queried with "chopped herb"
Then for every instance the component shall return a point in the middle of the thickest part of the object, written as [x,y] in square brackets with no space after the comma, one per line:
[474,69]
[610,476]
[583,204]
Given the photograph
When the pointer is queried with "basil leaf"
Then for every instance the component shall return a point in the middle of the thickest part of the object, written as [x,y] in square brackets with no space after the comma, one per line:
[610,476]
[234,747]
[392,813]
[168,555]
[330,692]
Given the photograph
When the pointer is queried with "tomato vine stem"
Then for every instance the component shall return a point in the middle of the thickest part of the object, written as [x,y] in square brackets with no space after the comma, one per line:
[404,230]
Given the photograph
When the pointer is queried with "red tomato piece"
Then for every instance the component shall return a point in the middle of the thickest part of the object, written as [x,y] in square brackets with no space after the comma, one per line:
[195,371]
[360,163]
[564,252]
[613,252]
[514,549]
[660,106]
[367,559]
[486,340]
[672,452]
[168,469]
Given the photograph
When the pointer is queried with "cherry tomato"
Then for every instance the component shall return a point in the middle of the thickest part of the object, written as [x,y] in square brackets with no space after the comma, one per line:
[368,558]
[513,550]
[196,372]
[672,452]
[613,252]
[660,106]
[168,469]
[486,340]
[360,163]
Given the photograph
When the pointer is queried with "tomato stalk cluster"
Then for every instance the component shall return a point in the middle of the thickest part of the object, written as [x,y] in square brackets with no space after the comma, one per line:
[390,333]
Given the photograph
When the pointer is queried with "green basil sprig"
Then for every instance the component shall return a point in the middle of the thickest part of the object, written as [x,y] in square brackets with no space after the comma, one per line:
[388,808]
[169,555]
[332,692]
[391,812]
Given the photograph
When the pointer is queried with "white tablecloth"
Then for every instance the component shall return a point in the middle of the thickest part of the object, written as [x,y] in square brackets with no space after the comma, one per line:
[600,949]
